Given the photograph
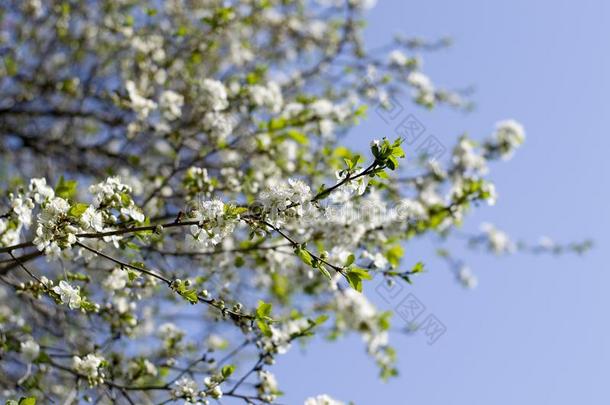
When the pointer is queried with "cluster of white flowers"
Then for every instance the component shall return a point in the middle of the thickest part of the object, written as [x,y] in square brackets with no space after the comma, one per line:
[55,230]
[169,331]
[267,386]
[112,193]
[141,105]
[218,125]
[214,95]
[510,135]
[498,241]
[280,339]
[423,86]
[281,195]
[171,104]
[378,260]
[398,58]
[213,386]
[197,180]
[21,208]
[116,280]
[185,388]
[468,158]
[359,314]
[141,367]
[268,96]
[322,400]
[69,295]
[213,227]
[89,366]
[350,189]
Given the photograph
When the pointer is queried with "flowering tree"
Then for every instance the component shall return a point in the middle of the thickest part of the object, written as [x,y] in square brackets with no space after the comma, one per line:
[179,207]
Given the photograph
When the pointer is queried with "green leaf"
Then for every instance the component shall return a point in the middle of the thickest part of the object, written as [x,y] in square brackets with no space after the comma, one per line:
[350,260]
[354,281]
[263,310]
[417,268]
[77,210]
[66,189]
[394,254]
[325,272]
[264,327]
[190,296]
[321,319]
[355,277]
[297,136]
[227,371]
[304,255]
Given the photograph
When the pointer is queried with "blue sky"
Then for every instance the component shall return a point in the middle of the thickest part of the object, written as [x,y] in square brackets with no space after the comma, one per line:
[536,329]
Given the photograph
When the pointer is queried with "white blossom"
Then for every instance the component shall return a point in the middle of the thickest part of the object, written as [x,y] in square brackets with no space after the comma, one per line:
[467,278]
[89,366]
[30,350]
[511,134]
[69,295]
[141,105]
[92,219]
[498,241]
[117,280]
[398,58]
[171,104]
[214,95]
[40,191]
[269,96]
[322,400]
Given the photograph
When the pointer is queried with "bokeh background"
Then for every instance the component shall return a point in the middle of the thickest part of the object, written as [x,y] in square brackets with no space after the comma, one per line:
[535,330]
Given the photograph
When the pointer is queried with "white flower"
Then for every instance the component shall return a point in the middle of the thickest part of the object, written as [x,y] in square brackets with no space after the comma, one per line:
[398,58]
[498,241]
[268,381]
[54,232]
[464,155]
[117,280]
[216,342]
[301,192]
[30,350]
[218,124]
[109,192]
[149,368]
[40,191]
[467,278]
[269,96]
[214,95]
[169,331]
[420,81]
[322,107]
[133,212]
[185,388]
[378,259]
[216,392]
[409,209]
[92,219]
[89,366]
[171,104]
[22,207]
[322,400]
[141,105]
[68,294]
[510,134]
